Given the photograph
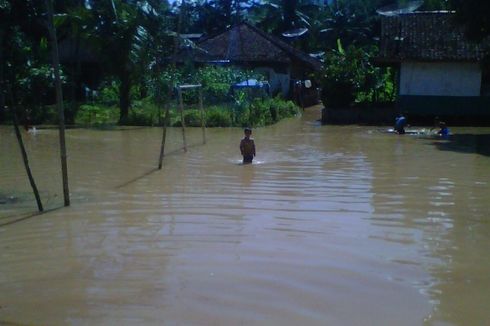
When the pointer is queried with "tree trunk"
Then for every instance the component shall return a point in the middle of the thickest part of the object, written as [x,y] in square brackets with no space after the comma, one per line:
[124,97]
[59,101]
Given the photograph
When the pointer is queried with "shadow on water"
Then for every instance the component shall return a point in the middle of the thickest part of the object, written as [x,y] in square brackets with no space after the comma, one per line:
[465,143]
[20,218]
[137,178]
[177,151]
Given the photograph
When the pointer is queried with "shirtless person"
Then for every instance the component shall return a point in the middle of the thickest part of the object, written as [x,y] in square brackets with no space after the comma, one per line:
[247,147]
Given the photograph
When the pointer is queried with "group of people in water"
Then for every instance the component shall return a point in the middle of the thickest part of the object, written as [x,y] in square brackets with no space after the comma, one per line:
[247,144]
[401,123]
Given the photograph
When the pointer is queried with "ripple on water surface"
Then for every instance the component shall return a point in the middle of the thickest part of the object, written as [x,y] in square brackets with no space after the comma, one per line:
[326,227]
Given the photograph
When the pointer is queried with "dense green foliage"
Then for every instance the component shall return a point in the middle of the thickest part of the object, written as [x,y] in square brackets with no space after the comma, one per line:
[256,113]
[122,49]
[349,77]
[473,14]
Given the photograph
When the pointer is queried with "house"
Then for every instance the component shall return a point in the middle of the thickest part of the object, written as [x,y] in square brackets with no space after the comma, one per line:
[83,65]
[439,70]
[247,46]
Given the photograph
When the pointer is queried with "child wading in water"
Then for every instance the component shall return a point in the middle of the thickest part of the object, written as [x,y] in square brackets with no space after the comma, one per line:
[247,146]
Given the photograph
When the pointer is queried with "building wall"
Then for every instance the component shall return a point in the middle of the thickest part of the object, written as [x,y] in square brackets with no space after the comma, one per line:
[440,78]
[278,81]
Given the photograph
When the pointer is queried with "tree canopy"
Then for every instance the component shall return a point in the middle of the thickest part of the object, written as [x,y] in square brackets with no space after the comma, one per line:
[473,14]
[124,44]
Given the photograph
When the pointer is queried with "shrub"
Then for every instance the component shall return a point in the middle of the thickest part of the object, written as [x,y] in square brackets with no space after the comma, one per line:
[218,117]
[349,76]
[341,77]
[192,118]
[95,115]
[108,95]
[47,114]
[139,118]
[263,112]
[281,109]
[143,113]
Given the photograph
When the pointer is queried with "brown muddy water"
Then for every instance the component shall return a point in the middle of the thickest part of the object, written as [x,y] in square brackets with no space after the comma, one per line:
[333,225]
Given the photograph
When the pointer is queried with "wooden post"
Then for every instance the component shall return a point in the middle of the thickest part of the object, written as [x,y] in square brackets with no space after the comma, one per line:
[2,87]
[164,135]
[181,100]
[59,101]
[26,161]
[167,111]
[203,123]
[23,151]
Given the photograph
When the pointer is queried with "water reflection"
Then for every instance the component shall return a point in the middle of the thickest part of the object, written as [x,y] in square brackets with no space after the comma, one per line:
[466,143]
[326,221]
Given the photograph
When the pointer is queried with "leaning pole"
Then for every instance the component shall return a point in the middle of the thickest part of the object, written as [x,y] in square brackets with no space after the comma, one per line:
[59,100]
[23,150]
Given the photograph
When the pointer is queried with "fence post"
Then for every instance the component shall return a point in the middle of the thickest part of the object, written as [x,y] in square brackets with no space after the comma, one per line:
[59,100]
[24,153]
[181,100]
[203,119]
[164,135]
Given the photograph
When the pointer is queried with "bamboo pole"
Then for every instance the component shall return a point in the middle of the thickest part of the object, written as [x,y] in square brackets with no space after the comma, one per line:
[181,100]
[59,101]
[2,87]
[24,153]
[26,162]
[167,111]
[164,135]
[203,123]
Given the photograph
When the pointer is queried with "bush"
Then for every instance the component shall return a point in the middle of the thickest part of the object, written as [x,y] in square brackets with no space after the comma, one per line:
[108,95]
[349,77]
[215,80]
[143,113]
[263,112]
[281,109]
[139,118]
[96,115]
[47,114]
[218,117]
[341,76]
[338,93]
[192,118]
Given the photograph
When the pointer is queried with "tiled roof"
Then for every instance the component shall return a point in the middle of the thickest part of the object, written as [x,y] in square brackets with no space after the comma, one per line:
[425,36]
[246,43]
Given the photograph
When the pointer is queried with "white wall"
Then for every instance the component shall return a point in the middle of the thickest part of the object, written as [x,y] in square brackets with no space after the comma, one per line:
[277,81]
[440,78]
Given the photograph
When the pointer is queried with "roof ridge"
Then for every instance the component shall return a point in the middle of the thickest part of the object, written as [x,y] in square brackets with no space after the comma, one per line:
[284,46]
[281,46]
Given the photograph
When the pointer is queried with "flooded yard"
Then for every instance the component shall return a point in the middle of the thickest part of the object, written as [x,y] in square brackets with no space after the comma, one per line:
[331,225]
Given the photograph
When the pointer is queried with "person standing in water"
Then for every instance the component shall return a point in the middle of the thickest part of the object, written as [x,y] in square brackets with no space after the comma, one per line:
[400,123]
[247,146]
[444,130]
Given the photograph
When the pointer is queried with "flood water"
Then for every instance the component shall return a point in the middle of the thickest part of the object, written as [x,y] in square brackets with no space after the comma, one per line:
[333,225]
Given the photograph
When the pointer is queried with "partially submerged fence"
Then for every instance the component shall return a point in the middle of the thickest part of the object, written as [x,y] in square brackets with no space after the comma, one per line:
[180,89]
